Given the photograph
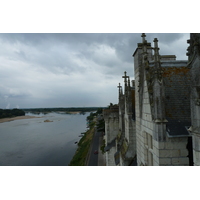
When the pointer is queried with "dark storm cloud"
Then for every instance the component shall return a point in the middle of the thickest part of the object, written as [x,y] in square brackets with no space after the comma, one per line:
[123,43]
[71,69]
[165,38]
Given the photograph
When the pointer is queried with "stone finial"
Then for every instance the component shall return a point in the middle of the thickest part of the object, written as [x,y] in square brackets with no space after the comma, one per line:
[125,78]
[156,50]
[194,48]
[157,66]
[119,88]
[144,46]
[129,82]
[188,51]
[143,37]
[155,43]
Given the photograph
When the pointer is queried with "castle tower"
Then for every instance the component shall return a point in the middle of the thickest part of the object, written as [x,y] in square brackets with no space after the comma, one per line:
[194,66]
[126,141]
[111,117]
[158,107]
[129,118]
[142,55]
[161,134]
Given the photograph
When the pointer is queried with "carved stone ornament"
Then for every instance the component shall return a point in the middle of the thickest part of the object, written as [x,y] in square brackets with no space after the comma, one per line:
[197,101]
[194,48]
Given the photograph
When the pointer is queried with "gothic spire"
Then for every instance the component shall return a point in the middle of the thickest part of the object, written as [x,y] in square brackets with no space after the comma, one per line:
[120,91]
[129,85]
[156,51]
[157,65]
[125,78]
[143,37]
[144,41]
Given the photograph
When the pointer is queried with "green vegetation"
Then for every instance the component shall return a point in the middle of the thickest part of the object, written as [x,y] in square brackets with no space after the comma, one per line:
[90,119]
[101,125]
[81,154]
[82,110]
[11,113]
[92,115]
[103,146]
[83,149]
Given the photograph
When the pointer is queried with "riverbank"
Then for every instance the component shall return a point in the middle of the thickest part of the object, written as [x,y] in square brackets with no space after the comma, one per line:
[73,113]
[91,141]
[16,118]
[81,154]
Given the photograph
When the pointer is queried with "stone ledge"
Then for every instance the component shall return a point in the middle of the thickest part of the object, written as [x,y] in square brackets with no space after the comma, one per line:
[164,161]
[180,161]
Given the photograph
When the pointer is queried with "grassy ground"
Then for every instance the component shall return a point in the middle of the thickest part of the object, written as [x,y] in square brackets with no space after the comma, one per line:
[83,148]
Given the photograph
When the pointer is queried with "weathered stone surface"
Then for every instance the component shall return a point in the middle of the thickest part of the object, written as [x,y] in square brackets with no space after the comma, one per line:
[194,66]
[165,161]
[180,161]
[163,85]
[155,114]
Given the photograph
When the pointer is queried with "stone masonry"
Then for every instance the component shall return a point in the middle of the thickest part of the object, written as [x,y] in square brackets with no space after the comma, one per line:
[161,120]
[111,117]
[194,66]
[120,127]
[157,119]
[126,138]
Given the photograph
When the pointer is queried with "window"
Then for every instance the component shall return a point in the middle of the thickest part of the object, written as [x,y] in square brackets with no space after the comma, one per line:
[148,149]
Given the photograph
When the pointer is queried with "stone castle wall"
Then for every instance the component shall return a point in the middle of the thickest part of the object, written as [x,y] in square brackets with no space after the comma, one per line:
[111,117]
[154,146]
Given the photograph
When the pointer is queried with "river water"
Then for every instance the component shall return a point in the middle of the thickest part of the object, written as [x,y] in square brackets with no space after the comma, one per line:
[33,142]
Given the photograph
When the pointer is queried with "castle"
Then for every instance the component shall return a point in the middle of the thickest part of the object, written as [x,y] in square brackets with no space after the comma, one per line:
[157,119]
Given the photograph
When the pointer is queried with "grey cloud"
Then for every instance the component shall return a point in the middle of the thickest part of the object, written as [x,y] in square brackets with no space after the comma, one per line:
[39,70]
[171,43]
[163,37]
[123,43]
[25,38]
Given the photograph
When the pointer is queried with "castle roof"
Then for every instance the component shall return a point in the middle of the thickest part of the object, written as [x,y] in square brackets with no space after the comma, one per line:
[176,128]
[176,78]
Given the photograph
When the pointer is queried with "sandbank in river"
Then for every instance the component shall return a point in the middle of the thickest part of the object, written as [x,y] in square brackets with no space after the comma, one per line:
[16,118]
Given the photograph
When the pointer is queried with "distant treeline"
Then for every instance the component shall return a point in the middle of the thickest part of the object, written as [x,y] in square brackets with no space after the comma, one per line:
[11,113]
[72,109]
[92,115]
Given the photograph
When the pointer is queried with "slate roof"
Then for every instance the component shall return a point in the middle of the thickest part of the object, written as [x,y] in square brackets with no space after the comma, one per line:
[176,79]
[177,92]
[177,97]
[176,128]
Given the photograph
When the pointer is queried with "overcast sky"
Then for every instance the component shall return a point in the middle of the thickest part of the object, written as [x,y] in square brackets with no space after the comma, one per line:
[71,70]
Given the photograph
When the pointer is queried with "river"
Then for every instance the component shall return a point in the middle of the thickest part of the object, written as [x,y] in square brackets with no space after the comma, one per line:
[33,142]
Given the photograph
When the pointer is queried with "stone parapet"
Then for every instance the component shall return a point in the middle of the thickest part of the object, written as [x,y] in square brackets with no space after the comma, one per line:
[167,57]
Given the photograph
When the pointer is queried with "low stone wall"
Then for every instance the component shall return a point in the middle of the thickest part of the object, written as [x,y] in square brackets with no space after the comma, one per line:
[172,152]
